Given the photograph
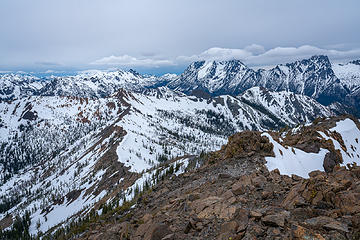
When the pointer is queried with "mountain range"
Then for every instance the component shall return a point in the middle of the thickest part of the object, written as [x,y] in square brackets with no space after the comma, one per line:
[71,145]
[315,77]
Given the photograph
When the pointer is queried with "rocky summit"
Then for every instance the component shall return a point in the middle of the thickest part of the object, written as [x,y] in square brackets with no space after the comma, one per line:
[233,195]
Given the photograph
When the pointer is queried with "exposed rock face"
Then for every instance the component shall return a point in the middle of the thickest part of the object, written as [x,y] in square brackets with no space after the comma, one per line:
[330,161]
[235,197]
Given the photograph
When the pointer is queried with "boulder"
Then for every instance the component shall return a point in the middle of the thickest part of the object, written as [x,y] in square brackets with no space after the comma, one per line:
[229,227]
[255,214]
[242,219]
[299,232]
[157,232]
[341,227]
[330,161]
[275,220]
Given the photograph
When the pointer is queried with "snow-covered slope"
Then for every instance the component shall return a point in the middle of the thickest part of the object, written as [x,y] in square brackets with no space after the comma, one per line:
[349,74]
[287,106]
[338,138]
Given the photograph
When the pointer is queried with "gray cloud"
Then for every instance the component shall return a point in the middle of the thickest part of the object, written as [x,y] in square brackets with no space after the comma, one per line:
[48,63]
[156,33]
[253,55]
[129,61]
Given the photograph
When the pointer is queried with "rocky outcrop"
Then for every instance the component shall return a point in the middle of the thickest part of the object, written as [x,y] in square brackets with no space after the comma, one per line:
[214,202]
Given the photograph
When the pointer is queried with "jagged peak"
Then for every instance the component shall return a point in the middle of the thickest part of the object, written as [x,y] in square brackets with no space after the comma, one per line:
[199,64]
[134,72]
[319,58]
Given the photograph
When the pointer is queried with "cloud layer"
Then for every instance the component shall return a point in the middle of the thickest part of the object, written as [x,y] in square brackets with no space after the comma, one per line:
[69,35]
[130,61]
[252,55]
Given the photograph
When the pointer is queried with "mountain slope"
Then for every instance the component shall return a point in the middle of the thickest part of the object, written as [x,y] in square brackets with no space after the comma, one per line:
[66,154]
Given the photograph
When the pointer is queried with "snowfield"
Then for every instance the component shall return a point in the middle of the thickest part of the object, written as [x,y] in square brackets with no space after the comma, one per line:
[290,160]
[294,161]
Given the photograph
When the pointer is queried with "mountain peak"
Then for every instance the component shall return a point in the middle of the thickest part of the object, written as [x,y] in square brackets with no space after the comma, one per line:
[320,57]
[134,72]
[356,62]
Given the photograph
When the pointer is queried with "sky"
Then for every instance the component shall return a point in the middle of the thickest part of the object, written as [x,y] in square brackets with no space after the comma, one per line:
[162,36]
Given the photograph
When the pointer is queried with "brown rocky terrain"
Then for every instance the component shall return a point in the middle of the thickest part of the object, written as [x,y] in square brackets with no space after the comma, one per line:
[234,196]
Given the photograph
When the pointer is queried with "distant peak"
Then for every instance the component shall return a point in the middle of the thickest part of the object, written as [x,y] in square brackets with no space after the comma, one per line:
[319,57]
[134,72]
[356,62]
[197,64]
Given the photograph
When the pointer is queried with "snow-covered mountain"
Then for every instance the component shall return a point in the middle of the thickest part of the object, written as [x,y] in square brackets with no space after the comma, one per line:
[65,155]
[17,85]
[85,84]
[315,77]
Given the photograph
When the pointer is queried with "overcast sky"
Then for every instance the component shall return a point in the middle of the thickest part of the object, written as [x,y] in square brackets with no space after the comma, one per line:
[158,36]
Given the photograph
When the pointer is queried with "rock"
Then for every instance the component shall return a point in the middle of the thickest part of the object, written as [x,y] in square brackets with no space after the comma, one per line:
[318,197]
[227,213]
[200,204]
[219,209]
[273,232]
[241,199]
[242,219]
[98,236]
[199,226]
[296,177]
[301,214]
[170,236]
[147,217]
[259,181]
[341,227]
[157,232]
[229,227]
[142,229]
[319,221]
[330,161]
[276,171]
[254,230]
[224,176]
[194,196]
[188,228]
[228,194]
[266,195]
[348,202]
[275,220]
[355,221]
[293,198]
[315,173]
[255,214]
[238,189]
[299,232]
[323,205]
